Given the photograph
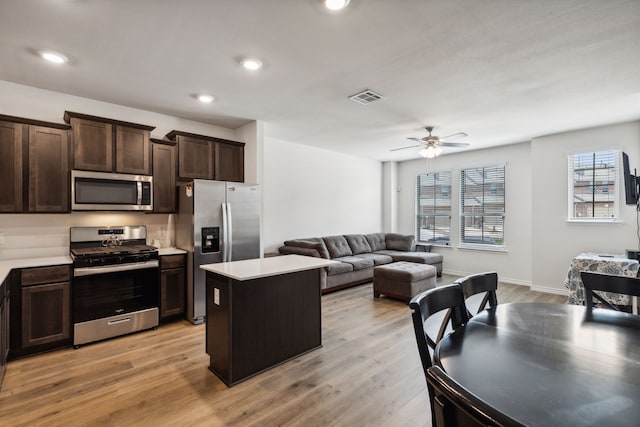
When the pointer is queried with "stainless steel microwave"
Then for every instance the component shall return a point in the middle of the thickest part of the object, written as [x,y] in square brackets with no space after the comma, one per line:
[100,191]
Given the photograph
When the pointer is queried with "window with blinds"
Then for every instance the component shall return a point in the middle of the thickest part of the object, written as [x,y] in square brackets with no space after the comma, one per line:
[482,207]
[593,186]
[433,217]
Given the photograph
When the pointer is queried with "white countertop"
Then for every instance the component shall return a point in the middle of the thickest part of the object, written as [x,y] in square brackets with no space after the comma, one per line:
[170,251]
[265,267]
[7,265]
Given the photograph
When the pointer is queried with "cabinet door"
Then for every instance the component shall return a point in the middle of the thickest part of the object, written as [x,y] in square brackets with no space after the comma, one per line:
[4,335]
[10,167]
[46,313]
[164,178]
[92,145]
[48,170]
[229,162]
[172,290]
[133,151]
[195,158]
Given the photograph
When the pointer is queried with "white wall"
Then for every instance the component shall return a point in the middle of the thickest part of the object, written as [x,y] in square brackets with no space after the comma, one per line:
[389,197]
[557,241]
[311,192]
[514,265]
[540,241]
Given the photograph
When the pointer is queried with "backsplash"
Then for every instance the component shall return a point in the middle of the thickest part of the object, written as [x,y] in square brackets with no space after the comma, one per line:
[45,235]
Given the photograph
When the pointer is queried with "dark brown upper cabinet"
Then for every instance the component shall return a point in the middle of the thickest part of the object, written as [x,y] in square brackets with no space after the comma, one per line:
[206,157]
[48,169]
[10,166]
[164,176]
[34,165]
[107,145]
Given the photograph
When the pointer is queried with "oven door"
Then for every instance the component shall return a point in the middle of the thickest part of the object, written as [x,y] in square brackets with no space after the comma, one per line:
[114,300]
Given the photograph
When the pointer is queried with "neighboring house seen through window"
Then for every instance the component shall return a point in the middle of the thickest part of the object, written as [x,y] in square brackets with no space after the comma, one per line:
[482,207]
[433,220]
[593,186]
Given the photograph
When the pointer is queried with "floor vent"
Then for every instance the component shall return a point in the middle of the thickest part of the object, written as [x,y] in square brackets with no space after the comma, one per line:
[366,97]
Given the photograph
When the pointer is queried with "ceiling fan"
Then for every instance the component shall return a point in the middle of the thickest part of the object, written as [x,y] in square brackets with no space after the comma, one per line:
[432,145]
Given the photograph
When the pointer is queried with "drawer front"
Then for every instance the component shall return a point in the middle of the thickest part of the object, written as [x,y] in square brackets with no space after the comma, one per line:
[41,275]
[171,261]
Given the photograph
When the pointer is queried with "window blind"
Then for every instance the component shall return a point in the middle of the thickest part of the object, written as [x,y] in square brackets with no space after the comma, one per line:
[593,185]
[482,206]
[433,216]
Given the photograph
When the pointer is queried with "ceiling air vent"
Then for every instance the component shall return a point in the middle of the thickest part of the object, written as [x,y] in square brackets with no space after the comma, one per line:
[366,97]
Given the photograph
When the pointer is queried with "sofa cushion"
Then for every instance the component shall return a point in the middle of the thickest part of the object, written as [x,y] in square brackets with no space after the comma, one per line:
[378,259]
[337,246]
[376,241]
[358,243]
[399,242]
[419,257]
[341,267]
[358,263]
[310,243]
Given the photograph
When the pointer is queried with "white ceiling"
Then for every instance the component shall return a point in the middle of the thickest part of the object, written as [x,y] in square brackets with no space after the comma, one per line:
[503,71]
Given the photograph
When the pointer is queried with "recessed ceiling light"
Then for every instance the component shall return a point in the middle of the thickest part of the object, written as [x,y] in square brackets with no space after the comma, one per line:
[336,4]
[56,58]
[205,99]
[251,64]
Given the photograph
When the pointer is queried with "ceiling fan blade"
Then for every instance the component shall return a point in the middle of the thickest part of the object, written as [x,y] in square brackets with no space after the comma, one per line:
[404,148]
[415,139]
[453,144]
[454,135]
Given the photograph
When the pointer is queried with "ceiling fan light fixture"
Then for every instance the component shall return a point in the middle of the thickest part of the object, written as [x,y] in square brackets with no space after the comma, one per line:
[429,152]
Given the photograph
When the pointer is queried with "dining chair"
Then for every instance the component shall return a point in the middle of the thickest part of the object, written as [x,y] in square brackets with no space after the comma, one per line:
[481,283]
[447,300]
[453,405]
[595,282]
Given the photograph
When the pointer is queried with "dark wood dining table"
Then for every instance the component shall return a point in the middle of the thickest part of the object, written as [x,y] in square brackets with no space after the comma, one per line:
[550,364]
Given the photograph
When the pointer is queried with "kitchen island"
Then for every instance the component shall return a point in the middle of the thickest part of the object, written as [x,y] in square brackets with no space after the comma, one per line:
[261,313]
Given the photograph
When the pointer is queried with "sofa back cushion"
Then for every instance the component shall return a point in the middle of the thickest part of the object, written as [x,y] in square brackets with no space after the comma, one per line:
[376,241]
[358,244]
[399,242]
[337,246]
[310,243]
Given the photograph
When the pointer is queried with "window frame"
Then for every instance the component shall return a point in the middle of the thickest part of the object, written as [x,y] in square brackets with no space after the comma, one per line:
[500,247]
[593,186]
[418,216]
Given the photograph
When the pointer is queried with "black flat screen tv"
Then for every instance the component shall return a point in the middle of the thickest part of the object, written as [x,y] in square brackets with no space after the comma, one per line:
[630,182]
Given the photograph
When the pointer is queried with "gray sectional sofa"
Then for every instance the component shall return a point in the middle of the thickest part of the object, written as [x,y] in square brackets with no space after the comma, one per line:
[358,254]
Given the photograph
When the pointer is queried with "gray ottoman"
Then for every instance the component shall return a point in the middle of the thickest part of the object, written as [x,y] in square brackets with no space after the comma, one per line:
[403,280]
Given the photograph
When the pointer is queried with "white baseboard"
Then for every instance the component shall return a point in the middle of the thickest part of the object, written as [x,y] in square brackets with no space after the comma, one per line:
[519,282]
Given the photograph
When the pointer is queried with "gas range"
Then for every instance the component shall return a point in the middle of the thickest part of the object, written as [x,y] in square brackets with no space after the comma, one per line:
[115,282]
[103,246]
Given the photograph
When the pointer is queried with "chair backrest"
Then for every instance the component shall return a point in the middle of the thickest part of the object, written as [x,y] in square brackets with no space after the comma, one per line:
[448,298]
[479,283]
[602,282]
[453,405]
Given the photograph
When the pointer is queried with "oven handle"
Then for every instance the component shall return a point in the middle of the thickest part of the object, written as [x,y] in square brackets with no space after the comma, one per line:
[90,271]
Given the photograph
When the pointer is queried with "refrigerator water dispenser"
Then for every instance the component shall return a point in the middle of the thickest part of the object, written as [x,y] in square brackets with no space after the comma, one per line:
[210,239]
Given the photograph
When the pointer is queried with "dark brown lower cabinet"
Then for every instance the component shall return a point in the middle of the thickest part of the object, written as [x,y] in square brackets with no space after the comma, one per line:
[41,310]
[172,286]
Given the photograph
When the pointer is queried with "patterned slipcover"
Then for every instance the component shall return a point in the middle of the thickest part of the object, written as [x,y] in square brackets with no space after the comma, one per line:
[615,264]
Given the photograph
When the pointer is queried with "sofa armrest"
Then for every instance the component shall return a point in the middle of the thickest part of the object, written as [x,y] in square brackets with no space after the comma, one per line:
[297,250]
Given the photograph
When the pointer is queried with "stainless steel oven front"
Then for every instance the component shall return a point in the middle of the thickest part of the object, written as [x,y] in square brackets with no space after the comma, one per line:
[114,300]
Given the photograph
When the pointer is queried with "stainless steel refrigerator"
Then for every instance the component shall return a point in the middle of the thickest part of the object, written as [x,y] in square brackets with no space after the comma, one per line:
[216,222]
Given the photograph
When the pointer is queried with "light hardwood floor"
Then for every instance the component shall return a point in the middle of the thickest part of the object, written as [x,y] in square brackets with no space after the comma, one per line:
[366,374]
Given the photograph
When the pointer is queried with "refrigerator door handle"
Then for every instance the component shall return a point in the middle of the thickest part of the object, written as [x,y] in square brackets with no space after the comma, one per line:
[230,228]
[225,229]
